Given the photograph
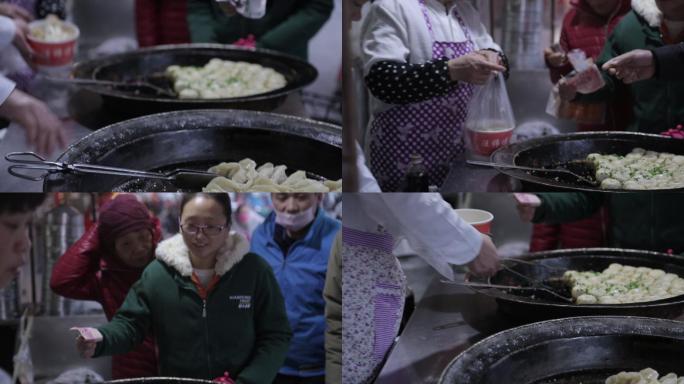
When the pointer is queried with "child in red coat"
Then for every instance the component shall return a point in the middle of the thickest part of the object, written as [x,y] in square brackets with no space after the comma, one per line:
[105,262]
[586,26]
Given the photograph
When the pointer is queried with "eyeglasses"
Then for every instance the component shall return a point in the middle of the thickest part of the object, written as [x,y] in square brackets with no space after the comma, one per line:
[209,230]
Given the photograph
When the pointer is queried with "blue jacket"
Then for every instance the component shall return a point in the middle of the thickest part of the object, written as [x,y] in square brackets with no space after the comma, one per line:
[301,275]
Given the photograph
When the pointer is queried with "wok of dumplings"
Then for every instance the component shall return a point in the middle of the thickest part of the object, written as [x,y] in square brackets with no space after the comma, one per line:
[245,176]
[619,284]
[639,169]
[645,376]
[220,79]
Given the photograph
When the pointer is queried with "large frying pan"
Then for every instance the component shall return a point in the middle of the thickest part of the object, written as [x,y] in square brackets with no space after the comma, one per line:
[569,351]
[535,305]
[145,64]
[199,139]
[550,150]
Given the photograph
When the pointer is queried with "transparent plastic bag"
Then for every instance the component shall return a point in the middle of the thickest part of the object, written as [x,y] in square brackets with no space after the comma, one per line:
[23,364]
[490,120]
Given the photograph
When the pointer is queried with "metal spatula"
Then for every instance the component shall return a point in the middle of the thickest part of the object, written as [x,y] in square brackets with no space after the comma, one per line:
[133,85]
[562,168]
[29,161]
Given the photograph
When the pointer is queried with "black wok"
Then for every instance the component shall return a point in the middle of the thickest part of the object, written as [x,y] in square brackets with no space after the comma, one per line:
[160,380]
[199,139]
[148,63]
[548,151]
[526,306]
[575,350]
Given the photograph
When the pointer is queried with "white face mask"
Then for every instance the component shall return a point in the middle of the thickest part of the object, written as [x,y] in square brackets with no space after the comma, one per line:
[296,221]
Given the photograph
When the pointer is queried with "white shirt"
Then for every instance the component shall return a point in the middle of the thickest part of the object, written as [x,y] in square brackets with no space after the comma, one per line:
[367,182]
[7,30]
[395,30]
[434,231]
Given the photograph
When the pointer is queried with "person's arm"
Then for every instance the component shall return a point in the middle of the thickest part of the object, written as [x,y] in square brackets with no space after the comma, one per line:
[402,83]
[556,72]
[146,23]
[272,329]
[332,293]
[74,275]
[430,225]
[130,323]
[301,25]
[559,208]
[669,62]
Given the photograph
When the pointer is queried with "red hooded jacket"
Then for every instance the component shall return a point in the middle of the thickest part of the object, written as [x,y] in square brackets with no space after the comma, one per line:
[160,22]
[586,30]
[90,270]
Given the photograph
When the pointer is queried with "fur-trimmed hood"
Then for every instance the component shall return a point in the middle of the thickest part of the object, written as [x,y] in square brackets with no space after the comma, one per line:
[174,253]
[648,9]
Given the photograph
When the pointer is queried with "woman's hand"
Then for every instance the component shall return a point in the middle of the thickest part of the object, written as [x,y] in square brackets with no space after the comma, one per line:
[567,89]
[487,261]
[555,59]
[44,130]
[15,12]
[527,204]
[87,340]
[85,348]
[632,66]
[21,42]
[473,68]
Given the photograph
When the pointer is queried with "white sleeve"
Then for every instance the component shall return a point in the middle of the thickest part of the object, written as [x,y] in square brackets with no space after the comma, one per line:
[383,36]
[7,30]
[478,31]
[430,225]
[367,182]
[6,88]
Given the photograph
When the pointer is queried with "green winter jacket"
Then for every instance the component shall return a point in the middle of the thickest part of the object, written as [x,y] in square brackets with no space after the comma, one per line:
[287,26]
[651,221]
[242,327]
[658,104]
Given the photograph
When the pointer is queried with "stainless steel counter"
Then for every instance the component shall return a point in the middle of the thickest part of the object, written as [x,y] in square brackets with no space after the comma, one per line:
[448,320]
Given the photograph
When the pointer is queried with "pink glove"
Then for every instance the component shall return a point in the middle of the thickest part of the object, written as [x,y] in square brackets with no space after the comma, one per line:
[249,41]
[225,379]
[676,132]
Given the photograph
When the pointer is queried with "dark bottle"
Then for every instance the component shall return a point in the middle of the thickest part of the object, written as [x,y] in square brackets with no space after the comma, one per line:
[416,179]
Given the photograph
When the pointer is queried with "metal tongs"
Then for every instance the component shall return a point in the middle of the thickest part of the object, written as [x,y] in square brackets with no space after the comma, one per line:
[29,161]
[534,284]
[139,84]
[560,168]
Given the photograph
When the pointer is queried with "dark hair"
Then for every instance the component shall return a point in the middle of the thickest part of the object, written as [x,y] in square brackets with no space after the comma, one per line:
[11,203]
[222,198]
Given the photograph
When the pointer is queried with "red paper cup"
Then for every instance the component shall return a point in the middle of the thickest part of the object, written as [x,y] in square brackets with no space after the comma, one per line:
[53,53]
[481,220]
[485,142]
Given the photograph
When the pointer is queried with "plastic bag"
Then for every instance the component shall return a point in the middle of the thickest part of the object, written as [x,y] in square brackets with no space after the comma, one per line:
[23,364]
[490,121]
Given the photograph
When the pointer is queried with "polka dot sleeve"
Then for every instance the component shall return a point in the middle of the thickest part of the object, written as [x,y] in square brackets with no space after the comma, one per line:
[402,83]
